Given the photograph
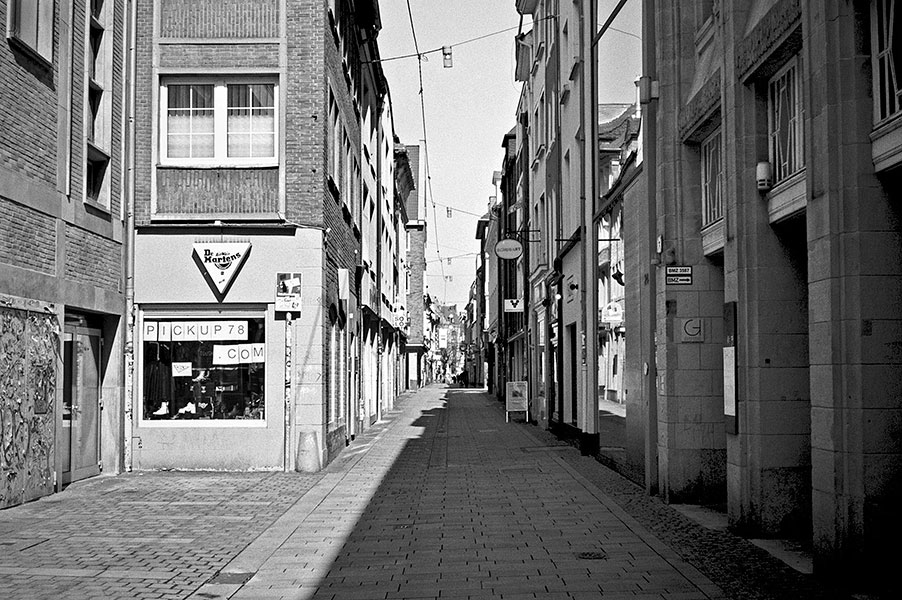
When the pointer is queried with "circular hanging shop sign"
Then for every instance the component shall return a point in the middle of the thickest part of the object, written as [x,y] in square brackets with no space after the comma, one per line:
[508,249]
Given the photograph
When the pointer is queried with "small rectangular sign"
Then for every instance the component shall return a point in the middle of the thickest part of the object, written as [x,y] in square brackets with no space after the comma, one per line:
[678,270]
[191,331]
[513,305]
[288,292]
[239,354]
[678,279]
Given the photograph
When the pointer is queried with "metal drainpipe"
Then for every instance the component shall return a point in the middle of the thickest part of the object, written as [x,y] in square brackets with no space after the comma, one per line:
[587,202]
[378,304]
[129,357]
[649,141]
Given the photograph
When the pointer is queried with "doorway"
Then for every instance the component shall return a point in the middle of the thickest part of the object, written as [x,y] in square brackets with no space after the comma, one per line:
[80,439]
[574,382]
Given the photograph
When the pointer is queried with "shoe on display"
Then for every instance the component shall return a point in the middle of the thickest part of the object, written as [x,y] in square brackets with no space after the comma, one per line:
[189,408]
[163,410]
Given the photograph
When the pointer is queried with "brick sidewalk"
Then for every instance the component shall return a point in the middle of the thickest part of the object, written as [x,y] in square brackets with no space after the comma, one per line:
[443,499]
[451,502]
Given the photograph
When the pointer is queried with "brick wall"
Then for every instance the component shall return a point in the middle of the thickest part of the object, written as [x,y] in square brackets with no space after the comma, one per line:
[306,111]
[27,112]
[416,258]
[202,191]
[27,238]
[93,259]
[206,57]
[144,116]
[219,18]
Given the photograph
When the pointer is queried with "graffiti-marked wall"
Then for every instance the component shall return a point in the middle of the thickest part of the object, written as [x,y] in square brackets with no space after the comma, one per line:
[29,351]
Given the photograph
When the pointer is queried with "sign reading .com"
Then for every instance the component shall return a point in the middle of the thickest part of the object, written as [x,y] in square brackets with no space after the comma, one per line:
[238,354]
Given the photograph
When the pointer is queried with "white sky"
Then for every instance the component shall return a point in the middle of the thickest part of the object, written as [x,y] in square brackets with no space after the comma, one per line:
[470,107]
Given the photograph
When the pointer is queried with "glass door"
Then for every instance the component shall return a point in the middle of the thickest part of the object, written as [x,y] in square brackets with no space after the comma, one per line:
[81,404]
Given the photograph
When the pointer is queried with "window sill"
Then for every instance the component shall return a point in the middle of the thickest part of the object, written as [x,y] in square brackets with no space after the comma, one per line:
[170,164]
[98,207]
[211,218]
[36,57]
[886,144]
[208,424]
[704,35]
[574,68]
[713,237]
[788,198]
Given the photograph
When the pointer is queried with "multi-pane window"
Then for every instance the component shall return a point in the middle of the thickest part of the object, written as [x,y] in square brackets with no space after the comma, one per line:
[712,179]
[222,122]
[251,120]
[31,23]
[784,112]
[190,131]
[887,59]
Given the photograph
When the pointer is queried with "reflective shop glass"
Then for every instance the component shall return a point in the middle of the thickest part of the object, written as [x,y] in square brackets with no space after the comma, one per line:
[204,369]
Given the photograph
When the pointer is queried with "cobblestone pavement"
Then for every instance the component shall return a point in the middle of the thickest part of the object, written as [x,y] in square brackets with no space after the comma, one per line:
[443,499]
[139,535]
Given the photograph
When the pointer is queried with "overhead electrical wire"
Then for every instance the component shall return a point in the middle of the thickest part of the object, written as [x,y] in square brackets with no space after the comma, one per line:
[420,55]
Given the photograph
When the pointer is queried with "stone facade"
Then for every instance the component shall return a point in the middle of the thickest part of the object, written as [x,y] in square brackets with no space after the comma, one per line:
[796,282]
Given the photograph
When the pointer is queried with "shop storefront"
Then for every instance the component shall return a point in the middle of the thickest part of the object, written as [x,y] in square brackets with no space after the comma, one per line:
[210,351]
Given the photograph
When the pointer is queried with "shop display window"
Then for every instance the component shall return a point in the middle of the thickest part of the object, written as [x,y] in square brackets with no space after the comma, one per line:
[204,369]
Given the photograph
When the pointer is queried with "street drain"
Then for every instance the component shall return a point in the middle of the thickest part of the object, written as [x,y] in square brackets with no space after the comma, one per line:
[591,555]
[230,578]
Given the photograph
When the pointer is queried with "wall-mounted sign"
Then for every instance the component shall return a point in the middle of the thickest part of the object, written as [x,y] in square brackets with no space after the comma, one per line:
[692,330]
[288,292]
[678,275]
[508,249]
[612,313]
[220,262]
[513,305]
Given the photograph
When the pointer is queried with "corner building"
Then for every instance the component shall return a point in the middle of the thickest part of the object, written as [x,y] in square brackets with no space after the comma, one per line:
[251,119]
[778,357]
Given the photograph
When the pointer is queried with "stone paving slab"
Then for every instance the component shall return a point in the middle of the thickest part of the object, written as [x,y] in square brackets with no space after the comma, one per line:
[442,499]
[138,535]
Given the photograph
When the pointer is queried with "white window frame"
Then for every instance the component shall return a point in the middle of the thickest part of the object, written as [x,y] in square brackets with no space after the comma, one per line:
[204,423]
[786,157]
[220,158]
[712,187]
[887,87]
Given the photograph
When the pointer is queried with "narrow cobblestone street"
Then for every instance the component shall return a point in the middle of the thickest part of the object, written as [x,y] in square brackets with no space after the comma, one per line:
[442,499]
